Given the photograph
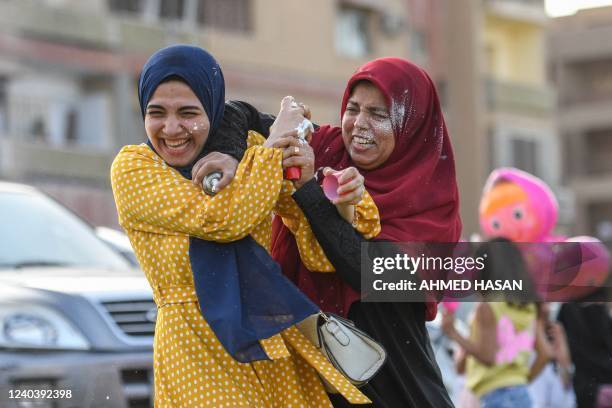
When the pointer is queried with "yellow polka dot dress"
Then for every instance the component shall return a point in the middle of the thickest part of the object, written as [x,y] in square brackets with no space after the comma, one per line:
[159,209]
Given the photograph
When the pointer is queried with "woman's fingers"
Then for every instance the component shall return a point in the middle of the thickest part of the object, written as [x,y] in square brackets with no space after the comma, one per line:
[226,178]
[307,114]
[215,162]
[287,102]
[290,103]
[348,174]
[290,116]
[194,171]
[289,139]
[294,161]
[327,171]
[293,148]
[298,155]
[297,161]
[197,176]
[281,139]
[205,165]
[351,186]
[291,109]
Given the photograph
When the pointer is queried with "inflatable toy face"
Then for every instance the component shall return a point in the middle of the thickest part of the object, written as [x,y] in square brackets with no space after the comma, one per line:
[505,211]
[518,206]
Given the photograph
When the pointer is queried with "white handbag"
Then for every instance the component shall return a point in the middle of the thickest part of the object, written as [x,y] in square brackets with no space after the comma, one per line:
[355,354]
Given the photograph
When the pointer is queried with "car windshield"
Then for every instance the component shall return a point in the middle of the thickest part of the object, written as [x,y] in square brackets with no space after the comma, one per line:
[37,231]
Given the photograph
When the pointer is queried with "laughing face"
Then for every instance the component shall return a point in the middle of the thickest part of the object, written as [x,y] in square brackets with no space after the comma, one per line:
[176,123]
[366,127]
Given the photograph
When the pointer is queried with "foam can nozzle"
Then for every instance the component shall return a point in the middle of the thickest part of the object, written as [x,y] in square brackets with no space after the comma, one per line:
[303,129]
[210,182]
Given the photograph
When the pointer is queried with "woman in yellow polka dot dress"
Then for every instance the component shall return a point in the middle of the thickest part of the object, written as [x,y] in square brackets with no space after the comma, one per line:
[182,93]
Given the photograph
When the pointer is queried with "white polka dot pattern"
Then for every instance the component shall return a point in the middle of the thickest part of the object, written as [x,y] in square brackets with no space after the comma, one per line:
[367,222]
[159,209]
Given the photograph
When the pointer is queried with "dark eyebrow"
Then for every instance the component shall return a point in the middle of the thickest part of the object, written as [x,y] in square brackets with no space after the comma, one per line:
[377,109]
[183,108]
[155,107]
[373,109]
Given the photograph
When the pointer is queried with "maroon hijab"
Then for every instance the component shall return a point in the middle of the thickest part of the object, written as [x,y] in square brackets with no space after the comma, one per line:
[415,190]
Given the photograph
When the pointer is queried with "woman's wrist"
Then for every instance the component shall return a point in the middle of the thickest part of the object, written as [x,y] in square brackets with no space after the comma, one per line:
[347,212]
[299,183]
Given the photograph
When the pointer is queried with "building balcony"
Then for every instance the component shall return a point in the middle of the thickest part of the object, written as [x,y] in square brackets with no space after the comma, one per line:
[577,46]
[584,116]
[33,19]
[529,11]
[584,97]
[28,159]
[515,98]
[592,188]
[78,27]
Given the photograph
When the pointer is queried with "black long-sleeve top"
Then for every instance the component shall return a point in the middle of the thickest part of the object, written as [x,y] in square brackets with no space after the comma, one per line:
[589,334]
[410,377]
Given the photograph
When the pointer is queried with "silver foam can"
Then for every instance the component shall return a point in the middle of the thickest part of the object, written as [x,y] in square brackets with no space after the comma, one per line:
[210,182]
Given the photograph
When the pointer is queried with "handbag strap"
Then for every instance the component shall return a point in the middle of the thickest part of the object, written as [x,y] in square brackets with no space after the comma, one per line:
[336,328]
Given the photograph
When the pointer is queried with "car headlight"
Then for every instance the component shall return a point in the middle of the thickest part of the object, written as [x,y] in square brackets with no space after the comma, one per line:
[36,327]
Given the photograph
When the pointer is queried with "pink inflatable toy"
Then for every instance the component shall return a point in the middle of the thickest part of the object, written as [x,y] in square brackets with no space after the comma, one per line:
[518,206]
[522,208]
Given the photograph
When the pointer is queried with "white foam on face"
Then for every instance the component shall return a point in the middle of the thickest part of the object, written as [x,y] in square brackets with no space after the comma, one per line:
[198,126]
[379,127]
[195,127]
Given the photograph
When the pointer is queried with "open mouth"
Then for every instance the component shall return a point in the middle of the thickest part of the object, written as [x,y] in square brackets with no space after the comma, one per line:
[363,141]
[176,144]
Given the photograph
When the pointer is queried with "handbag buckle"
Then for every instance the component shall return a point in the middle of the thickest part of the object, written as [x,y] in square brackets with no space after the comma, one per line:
[335,330]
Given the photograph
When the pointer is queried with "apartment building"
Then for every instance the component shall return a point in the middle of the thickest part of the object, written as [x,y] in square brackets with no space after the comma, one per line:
[579,61]
[488,58]
[68,72]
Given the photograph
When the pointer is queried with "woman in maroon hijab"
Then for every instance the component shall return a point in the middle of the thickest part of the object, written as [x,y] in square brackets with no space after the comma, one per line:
[393,131]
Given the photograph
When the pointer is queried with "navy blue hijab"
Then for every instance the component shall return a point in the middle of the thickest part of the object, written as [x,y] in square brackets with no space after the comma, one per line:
[241,291]
[199,70]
